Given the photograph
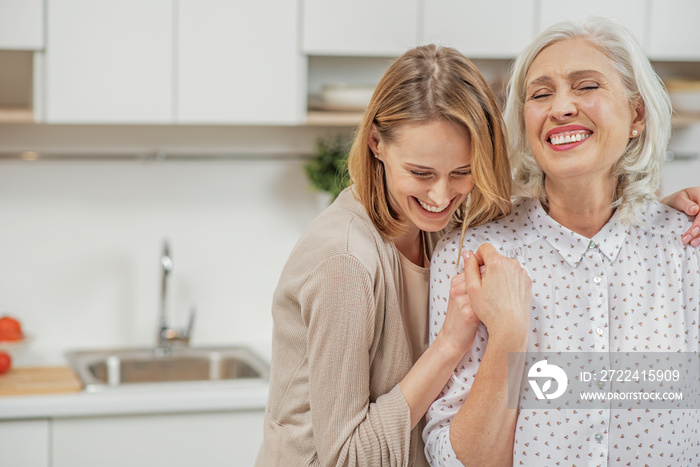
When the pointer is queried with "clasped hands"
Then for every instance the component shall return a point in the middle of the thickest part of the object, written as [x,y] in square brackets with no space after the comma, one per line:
[493,290]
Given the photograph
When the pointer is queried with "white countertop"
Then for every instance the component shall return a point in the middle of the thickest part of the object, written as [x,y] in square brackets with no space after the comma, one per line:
[241,395]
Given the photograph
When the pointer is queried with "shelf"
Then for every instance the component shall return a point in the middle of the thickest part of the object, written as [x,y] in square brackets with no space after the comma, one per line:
[313,117]
[16,115]
[352,119]
[331,118]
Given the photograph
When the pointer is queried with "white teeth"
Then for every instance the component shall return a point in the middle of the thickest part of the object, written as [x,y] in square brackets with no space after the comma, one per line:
[563,139]
[432,208]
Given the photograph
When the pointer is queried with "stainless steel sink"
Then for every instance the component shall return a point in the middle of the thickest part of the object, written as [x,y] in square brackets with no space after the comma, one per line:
[142,368]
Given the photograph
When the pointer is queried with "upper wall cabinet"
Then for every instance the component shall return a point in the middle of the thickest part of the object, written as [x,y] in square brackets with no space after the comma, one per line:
[21,24]
[174,61]
[674,30]
[109,62]
[239,62]
[494,29]
[380,28]
[631,13]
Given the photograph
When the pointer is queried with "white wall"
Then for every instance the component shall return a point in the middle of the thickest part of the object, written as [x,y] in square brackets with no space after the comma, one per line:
[80,243]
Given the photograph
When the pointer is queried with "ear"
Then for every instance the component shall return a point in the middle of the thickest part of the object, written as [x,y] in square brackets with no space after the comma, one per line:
[638,116]
[374,140]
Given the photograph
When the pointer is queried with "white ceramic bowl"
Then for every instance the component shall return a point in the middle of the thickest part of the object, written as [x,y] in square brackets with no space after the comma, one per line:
[346,96]
[14,348]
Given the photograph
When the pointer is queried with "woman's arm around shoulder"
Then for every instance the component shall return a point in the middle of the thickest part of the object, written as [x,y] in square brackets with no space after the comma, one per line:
[687,201]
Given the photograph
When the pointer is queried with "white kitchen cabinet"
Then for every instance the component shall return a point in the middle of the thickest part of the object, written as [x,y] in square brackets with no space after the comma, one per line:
[24,443]
[173,440]
[109,62]
[673,30]
[239,63]
[21,24]
[495,29]
[360,27]
[631,13]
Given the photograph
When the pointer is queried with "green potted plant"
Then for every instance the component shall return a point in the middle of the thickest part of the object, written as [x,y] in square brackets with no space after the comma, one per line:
[327,169]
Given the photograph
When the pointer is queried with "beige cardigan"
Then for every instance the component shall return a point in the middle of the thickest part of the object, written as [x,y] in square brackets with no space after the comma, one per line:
[339,349]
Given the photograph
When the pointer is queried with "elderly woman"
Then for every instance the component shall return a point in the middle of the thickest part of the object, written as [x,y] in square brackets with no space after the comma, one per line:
[589,121]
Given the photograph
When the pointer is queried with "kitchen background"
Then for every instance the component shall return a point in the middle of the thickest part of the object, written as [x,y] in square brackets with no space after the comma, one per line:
[124,123]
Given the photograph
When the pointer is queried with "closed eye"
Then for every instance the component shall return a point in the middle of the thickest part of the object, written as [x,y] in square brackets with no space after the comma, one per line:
[540,95]
[417,173]
[584,85]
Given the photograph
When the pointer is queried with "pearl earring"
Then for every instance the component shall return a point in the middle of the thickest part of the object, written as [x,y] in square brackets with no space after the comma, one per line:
[375,156]
[634,133]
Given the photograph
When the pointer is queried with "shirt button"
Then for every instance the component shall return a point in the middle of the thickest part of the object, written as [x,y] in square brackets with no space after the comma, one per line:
[592,245]
[599,331]
[598,437]
[597,280]
[601,384]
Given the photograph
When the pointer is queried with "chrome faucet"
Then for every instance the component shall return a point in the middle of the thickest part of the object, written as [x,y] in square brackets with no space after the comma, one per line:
[169,337]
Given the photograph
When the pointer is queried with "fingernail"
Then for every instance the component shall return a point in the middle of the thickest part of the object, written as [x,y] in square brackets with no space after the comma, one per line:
[685,239]
[694,209]
[467,254]
[695,231]
[695,242]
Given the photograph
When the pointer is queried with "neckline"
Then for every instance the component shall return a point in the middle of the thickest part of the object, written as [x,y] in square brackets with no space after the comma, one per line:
[426,260]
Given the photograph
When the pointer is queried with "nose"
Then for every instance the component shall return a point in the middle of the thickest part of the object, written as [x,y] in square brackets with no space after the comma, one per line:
[440,192]
[563,107]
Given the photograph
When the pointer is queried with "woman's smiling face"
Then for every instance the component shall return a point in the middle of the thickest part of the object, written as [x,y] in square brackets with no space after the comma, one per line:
[578,119]
[428,172]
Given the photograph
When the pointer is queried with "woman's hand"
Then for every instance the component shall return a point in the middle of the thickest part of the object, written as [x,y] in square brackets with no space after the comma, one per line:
[422,385]
[688,201]
[501,298]
[461,322]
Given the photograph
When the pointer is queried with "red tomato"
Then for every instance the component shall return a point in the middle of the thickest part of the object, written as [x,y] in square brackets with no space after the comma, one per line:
[10,329]
[5,362]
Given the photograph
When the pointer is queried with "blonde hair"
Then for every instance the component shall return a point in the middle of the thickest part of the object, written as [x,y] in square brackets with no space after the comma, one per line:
[424,84]
[638,171]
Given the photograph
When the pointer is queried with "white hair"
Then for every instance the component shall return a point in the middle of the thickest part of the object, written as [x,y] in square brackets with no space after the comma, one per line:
[638,171]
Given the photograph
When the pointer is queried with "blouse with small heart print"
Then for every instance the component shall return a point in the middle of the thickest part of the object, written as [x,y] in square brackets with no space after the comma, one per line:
[630,288]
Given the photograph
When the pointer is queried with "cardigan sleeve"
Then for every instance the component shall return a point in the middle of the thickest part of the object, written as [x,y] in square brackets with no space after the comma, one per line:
[339,305]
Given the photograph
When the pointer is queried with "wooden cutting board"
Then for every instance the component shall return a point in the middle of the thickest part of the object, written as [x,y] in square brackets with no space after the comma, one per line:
[22,381]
